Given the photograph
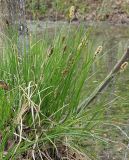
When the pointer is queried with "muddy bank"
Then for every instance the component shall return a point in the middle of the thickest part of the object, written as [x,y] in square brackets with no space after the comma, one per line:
[116,12]
[115,18]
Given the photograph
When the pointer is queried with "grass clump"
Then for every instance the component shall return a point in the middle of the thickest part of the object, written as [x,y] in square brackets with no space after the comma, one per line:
[38,112]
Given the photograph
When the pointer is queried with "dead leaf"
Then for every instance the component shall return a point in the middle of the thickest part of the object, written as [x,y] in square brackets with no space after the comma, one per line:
[4,85]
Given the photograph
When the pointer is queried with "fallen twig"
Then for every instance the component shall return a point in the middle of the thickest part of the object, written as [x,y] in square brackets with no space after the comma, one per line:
[105,82]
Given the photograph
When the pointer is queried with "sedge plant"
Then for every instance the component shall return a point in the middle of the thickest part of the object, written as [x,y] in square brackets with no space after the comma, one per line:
[38,111]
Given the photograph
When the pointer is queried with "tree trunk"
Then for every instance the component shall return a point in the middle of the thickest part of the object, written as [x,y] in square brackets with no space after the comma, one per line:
[0,28]
[3,24]
[13,19]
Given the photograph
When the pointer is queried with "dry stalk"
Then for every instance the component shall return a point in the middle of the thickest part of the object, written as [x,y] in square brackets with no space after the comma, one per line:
[106,81]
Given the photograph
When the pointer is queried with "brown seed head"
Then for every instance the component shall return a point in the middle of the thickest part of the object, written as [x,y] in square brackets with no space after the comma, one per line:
[64,49]
[65,72]
[123,66]
[83,42]
[72,12]
[80,46]
[50,51]
[98,50]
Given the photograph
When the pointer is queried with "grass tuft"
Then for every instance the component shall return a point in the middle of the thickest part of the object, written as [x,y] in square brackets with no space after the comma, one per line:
[38,112]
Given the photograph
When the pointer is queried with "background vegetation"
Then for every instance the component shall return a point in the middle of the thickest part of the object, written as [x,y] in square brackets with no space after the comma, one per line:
[42,86]
[114,11]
